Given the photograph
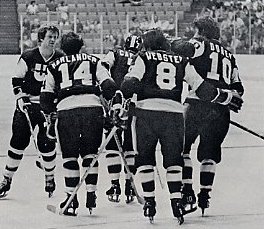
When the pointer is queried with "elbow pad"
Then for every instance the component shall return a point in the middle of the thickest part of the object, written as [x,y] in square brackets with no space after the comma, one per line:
[17,85]
[129,86]
[47,102]
[109,88]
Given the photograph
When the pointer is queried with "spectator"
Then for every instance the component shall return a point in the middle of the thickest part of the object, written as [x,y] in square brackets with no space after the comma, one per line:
[79,26]
[189,32]
[51,6]
[86,26]
[144,24]
[34,31]
[168,26]
[26,26]
[64,11]
[27,43]
[119,39]
[96,26]
[155,23]
[32,8]
[134,23]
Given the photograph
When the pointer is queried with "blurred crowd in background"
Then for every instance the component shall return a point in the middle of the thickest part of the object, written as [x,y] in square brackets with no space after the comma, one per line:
[238,21]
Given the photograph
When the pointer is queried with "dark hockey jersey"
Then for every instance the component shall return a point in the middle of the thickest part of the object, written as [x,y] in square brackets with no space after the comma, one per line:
[119,61]
[161,77]
[212,62]
[31,71]
[75,80]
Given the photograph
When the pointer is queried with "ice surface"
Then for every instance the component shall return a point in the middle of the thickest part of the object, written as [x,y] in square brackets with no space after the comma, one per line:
[237,197]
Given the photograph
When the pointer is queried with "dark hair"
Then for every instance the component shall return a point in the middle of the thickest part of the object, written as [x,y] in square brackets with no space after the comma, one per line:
[207,27]
[155,40]
[43,30]
[71,43]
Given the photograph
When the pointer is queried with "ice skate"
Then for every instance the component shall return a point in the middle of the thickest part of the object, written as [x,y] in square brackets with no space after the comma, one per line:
[150,208]
[5,186]
[177,209]
[91,201]
[129,192]
[71,209]
[203,200]
[50,184]
[114,193]
[188,201]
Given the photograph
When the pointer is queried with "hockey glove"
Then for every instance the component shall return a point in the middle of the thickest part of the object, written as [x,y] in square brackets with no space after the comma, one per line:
[51,120]
[230,98]
[236,102]
[118,112]
[23,102]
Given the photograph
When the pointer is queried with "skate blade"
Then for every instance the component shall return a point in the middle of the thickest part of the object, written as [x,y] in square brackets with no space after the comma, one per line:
[151,219]
[130,199]
[180,220]
[3,195]
[90,211]
[50,194]
[114,199]
[193,209]
[202,211]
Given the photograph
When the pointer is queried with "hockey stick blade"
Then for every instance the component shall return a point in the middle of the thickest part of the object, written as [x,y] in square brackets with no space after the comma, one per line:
[52,209]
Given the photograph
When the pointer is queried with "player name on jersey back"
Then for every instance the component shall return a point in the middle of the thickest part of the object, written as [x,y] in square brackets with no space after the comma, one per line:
[73,58]
[220,49]
[163,57]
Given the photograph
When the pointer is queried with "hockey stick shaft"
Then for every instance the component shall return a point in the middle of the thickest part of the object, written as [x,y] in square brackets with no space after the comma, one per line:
[159,177]
[139,198]
[32,133]
[100,151]
[246,129]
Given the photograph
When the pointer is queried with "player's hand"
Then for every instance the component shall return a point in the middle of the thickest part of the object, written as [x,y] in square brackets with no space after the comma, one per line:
[236,101]
[23,102]
[119,110]
[51,120]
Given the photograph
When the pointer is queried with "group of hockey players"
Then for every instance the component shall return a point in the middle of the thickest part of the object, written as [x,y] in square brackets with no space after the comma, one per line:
[134,96]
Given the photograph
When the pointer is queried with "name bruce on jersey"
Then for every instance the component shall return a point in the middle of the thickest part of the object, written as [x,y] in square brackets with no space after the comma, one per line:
[163,57]
[72,58]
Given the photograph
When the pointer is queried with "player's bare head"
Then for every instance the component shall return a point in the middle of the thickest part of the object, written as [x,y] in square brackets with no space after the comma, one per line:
[133,43]
[71,43]
[44,29]
[207,27]
[155,40]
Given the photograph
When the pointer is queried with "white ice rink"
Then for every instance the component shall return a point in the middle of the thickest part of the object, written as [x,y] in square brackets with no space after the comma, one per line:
[237,197]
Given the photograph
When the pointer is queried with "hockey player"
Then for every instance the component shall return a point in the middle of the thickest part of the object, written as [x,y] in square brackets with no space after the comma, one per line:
[118,62]
[157,78]
[76,81]
[30,72]
[209,121]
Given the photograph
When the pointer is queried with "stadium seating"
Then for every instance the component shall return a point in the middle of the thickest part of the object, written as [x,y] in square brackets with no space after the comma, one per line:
[114,13]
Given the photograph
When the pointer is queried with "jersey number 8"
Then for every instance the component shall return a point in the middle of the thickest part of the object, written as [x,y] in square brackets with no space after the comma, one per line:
[166,73]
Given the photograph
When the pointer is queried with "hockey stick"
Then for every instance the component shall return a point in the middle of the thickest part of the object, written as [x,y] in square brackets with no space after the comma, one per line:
[60,211]
[38,162]
[246,129]
[139,198]
[159,178]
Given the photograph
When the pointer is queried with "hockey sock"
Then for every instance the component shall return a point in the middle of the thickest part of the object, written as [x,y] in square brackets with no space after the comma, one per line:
[146,176]
[92,177]
[207,174]
[113,164]
[187,172]
[174,181]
